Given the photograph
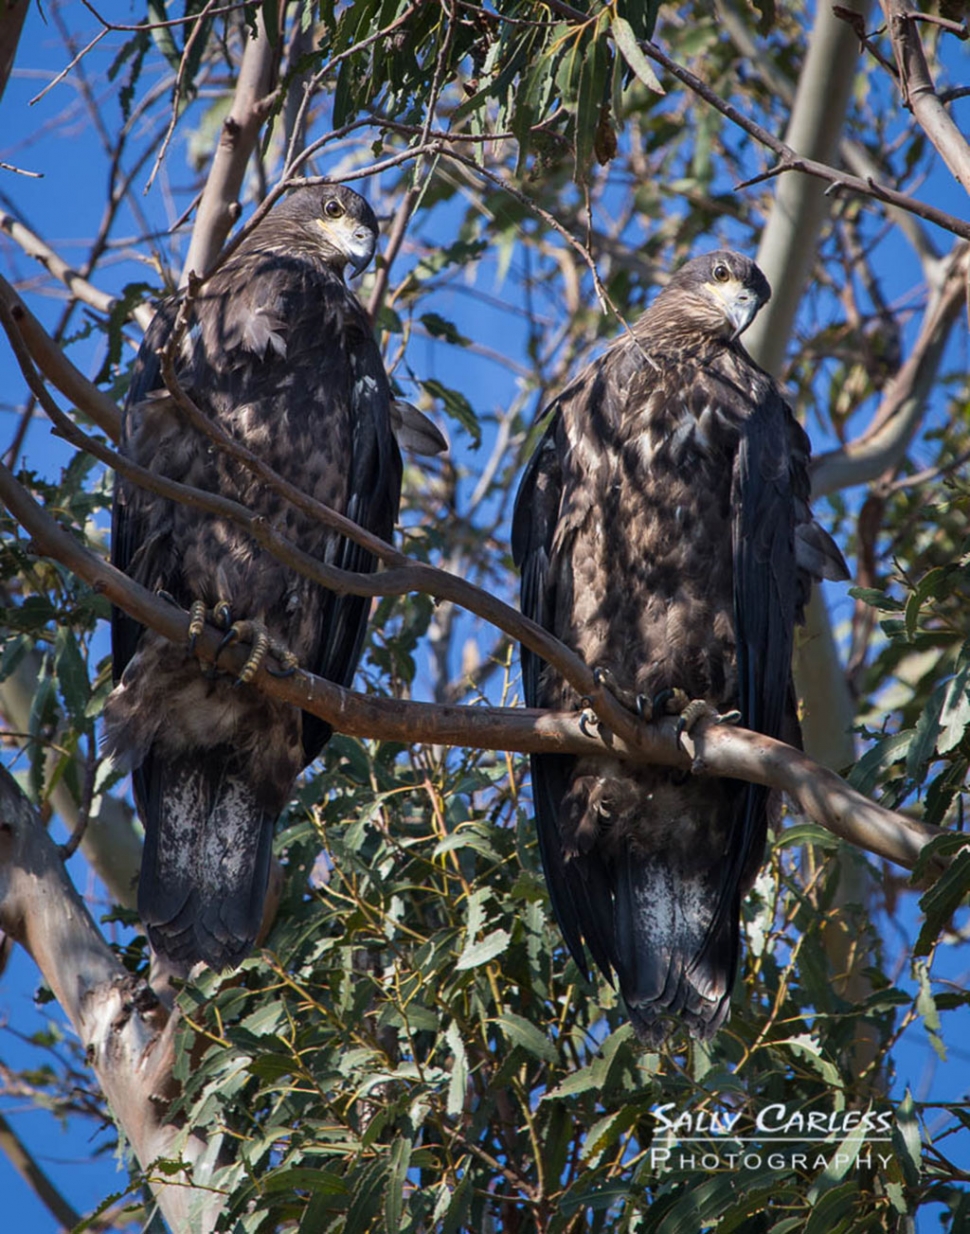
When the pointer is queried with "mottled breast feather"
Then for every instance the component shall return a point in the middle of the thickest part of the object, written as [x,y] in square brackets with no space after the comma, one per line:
[663,532]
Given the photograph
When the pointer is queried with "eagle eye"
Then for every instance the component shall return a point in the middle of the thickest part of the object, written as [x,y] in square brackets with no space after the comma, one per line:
[721,272]
[333,209]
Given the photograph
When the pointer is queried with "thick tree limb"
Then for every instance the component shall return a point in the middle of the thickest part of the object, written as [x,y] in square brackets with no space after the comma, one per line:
[219,207]
[124,1029]
[12,16]
[719,750]
[787,249]
[885,442]
[919,92]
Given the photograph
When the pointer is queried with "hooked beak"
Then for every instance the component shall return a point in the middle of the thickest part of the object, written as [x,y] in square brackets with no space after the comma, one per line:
[360,249]
[741,306]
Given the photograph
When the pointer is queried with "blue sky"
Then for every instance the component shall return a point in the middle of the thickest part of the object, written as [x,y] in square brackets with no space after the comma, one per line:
[66,204]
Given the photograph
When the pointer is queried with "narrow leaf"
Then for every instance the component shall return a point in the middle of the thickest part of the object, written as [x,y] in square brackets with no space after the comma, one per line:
[523,1033]
[626,41]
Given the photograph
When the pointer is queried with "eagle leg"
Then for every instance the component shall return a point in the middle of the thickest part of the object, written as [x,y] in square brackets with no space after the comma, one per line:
[263,644]
[221,614]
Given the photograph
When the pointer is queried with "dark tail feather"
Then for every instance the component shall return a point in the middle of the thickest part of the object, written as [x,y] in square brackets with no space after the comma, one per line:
[669,964]
[205,867]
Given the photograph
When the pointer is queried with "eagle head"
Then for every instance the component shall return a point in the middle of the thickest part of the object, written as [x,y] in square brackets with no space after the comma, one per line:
[333,220]
[720,292]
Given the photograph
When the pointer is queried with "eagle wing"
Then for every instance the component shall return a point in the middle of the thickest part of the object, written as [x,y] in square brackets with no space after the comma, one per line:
[580,892]
[372,502]
[766,586]
[778,549]
[137,536]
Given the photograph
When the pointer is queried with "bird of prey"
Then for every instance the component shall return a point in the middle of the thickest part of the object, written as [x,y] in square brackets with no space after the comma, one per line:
[281,355]
[663,532]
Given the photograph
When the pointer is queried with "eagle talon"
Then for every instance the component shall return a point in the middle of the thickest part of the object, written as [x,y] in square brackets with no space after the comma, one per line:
[231,636]
[262,644]
[693,712]
[287,671]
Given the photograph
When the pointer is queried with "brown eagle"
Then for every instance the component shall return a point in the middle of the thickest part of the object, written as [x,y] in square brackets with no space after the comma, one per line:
[663,532]
[282,356]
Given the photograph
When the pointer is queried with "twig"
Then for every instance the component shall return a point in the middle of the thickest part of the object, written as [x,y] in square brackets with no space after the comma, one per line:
[294,161]
[26,1166]
[69,848]
[534,208]
[34,247]
[920,478]
[198,27]
[67,68]
[959,28]
[22,171]
[138,27]
[414,194]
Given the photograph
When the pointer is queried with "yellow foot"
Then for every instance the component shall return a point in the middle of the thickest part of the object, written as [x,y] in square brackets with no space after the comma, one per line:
[263,644]
[220,615]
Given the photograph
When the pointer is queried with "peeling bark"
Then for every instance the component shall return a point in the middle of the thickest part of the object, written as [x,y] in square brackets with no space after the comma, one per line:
[125,1030]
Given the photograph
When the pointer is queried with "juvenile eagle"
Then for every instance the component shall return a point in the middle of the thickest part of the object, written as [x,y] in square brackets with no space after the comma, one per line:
[663,532]
[282,356]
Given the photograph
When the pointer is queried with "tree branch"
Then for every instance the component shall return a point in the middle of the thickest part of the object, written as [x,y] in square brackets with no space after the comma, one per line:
[790,160]
[35,1178]
[219,207]
[125,1031]
[109,843]
[56,367]
[919,92]
[406,577]
[12,16]
[717,750]
[887,439]
[77,285]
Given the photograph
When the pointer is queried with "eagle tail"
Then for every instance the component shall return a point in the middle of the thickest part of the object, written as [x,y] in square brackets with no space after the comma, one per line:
[674,959]
[206,862]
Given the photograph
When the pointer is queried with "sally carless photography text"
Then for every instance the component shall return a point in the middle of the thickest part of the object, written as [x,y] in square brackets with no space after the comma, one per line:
[776,1137]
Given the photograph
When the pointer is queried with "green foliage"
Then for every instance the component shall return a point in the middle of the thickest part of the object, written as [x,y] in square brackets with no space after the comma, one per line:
[414,1050]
